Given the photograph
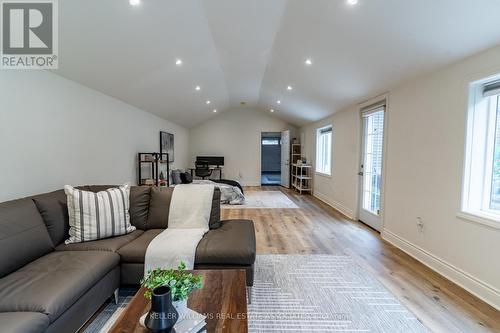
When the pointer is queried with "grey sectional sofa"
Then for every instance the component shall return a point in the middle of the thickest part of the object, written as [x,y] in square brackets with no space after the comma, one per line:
[48,286]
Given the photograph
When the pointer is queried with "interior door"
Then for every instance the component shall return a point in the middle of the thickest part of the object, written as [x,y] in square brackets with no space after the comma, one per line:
[285,159]
[372,149]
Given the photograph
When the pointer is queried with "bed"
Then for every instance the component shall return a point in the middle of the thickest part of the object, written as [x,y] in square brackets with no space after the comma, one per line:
[231,191]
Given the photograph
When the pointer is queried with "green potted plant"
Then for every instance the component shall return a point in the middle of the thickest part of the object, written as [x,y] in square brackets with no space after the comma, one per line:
[181,283]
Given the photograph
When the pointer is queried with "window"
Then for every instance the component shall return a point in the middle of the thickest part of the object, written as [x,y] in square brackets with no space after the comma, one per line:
[373,148]
[271,142]
[324,150]
[481,193]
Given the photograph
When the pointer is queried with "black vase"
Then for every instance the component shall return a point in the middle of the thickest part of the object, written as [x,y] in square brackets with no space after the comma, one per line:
[163,315]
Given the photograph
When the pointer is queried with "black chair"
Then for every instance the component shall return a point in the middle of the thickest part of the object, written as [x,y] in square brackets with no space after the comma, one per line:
[202,169]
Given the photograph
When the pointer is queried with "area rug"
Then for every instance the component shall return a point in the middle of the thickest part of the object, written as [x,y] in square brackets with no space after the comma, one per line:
[323,293]
[109,315]
[264,199]
[308,293]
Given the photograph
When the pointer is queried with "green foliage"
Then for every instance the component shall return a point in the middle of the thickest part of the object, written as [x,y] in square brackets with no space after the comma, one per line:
[181,283]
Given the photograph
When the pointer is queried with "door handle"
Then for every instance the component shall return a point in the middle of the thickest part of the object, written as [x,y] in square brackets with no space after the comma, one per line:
[360,173]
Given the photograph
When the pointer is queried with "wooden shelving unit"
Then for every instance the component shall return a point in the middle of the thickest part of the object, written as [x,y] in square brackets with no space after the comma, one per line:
[154,162]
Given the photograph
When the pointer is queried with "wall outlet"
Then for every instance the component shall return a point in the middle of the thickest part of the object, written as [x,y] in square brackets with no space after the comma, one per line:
[420,224]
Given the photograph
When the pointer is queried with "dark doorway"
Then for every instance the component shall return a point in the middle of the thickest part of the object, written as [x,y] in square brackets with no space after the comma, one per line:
[271,158]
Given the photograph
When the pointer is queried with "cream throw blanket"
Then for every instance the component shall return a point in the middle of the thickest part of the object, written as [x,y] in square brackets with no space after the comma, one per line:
[187,223]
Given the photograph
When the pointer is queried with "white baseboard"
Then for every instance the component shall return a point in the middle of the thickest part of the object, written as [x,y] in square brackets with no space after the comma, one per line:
[482,290]
[337,205]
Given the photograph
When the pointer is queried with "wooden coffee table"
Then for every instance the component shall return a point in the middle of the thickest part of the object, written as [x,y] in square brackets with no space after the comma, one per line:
[222,299]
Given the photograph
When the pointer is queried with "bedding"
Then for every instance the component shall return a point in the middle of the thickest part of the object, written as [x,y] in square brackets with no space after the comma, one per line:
[231,195]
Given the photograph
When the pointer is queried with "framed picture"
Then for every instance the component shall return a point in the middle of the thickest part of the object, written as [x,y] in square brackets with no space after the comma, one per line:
[167,145]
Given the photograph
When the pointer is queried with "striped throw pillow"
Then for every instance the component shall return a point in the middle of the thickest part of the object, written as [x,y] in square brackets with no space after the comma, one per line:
[94,216]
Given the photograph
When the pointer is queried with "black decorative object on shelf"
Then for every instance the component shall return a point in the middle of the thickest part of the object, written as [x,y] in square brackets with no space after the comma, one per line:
[163,315]
[153,161]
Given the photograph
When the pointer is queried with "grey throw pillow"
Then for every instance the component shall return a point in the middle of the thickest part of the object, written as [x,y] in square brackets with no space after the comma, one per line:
[176,176]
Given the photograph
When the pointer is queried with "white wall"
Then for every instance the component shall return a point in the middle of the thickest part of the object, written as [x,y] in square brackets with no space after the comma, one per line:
[424,166]
[235,134]
[55,132]
[340,189]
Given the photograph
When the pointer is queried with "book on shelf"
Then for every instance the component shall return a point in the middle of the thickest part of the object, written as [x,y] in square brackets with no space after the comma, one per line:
[189,322]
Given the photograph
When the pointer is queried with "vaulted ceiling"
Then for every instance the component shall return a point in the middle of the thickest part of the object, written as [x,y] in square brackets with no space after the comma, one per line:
[251,50]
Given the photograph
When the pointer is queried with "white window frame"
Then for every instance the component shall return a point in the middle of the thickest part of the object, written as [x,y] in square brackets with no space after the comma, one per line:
[328,170]
[479,151]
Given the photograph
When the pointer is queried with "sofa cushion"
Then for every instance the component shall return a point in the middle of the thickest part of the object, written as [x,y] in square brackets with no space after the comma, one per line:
[52,283]
[135,251]
[98,188]
[159,207]
[23,235]
[139,202]
[231,244]
[139,206]
[109,244]
[23,322]
[54,210]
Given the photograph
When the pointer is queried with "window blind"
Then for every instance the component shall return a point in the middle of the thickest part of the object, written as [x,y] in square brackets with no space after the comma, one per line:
[376,107]
[491,89]
[325,130]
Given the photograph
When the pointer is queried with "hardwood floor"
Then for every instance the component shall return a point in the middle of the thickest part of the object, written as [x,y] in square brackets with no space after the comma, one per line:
[316,228]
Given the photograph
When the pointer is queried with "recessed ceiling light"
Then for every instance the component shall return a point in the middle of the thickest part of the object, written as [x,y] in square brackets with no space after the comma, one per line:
[198,88]
[178,62]
[278,101]
[289,88]
[134,2]
[352,2]
[215,111]
[308,62]
[272,110]
[208,102]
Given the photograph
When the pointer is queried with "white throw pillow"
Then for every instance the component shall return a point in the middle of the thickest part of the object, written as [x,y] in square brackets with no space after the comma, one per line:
[94,216]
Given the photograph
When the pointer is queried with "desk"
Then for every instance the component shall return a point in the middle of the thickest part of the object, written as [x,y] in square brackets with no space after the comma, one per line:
[211,168]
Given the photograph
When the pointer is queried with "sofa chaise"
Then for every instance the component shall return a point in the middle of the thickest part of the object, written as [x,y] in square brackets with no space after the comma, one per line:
[48,286]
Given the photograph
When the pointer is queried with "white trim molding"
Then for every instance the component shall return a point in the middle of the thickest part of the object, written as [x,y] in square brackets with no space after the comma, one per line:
[480,289]
[348,212]
[480,219]
[321,174]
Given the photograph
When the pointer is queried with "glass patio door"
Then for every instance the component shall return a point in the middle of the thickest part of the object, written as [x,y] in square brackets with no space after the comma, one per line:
[372,150]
